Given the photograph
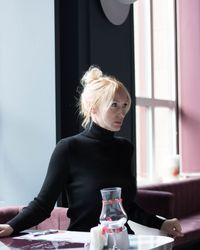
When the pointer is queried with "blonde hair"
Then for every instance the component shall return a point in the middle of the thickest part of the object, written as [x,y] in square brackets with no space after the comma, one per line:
[98,88]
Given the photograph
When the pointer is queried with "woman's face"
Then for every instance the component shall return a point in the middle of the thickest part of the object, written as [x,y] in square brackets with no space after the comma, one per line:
[113,117]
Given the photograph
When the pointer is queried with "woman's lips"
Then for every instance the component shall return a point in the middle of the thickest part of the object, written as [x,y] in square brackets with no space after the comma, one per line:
[118,123]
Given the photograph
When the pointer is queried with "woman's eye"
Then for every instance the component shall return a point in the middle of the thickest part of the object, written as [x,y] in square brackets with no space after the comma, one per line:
[114,105]
[125,105]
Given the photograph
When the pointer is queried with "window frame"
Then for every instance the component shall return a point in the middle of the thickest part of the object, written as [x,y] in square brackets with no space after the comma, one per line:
[151,102]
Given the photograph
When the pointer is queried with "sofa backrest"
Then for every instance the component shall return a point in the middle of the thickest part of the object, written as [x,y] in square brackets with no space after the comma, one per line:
[57,220]
[156,202]
[7,213]
[186,195]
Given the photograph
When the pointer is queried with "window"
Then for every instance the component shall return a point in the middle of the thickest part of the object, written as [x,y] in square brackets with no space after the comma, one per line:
[155,85]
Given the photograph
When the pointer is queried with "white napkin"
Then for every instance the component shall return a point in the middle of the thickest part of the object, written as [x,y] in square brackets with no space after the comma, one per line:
[98,239]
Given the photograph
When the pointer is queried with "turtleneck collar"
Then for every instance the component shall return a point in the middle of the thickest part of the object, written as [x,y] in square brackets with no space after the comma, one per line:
[97,132]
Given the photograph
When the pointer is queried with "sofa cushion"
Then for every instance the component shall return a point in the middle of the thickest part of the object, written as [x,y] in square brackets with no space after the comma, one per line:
[186,208]
[57,220]
[7,213]
[190,228]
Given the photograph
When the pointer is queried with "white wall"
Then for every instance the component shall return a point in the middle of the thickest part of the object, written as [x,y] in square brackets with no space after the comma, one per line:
[27,97]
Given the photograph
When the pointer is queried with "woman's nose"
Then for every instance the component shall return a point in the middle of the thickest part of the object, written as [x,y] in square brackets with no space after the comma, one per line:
[122,112]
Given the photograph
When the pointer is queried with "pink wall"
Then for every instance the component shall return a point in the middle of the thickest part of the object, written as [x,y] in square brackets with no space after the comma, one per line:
[189,83]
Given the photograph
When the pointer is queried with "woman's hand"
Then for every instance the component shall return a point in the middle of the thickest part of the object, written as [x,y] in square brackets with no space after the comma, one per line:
[172,228]
[5,230]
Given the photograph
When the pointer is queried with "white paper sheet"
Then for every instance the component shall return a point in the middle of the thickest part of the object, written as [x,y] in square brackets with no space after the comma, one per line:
[71,236]
[143,230]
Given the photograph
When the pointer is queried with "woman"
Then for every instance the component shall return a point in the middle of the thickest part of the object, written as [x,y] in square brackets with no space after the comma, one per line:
[89,161]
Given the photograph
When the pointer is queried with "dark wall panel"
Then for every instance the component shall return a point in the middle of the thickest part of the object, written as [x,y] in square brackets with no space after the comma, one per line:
[67,66]
[84,36]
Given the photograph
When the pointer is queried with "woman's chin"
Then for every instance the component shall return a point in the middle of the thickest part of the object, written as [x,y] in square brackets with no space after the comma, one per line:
[116,128]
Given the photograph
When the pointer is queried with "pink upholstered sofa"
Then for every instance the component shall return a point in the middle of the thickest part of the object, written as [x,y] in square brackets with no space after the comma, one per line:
[180,199]
[57,220]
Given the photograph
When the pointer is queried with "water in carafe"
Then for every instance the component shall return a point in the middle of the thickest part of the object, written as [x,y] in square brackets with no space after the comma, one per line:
[112,214]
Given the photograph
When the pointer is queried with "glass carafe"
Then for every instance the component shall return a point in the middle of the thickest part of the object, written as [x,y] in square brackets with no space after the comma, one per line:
[113,218]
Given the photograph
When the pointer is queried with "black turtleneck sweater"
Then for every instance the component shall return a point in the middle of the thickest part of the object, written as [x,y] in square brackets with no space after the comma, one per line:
[82,165]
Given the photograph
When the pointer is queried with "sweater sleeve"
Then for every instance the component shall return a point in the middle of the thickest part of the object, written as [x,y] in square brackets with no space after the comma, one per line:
[41,206]
[139,215]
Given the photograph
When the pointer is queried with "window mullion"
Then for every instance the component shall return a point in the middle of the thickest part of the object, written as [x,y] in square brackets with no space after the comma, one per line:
[151,143]
[142,101]
[152,48]
[151,119]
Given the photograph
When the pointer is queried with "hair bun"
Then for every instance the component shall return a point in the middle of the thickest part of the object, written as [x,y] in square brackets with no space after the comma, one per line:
[91,75]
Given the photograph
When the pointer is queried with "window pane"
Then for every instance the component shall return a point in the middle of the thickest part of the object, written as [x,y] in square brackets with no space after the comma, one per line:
[142,141]
[165,140]
[142,48]
[164,49]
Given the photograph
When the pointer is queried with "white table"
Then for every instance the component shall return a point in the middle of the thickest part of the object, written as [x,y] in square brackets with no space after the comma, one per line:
[137,242]
[147,242]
